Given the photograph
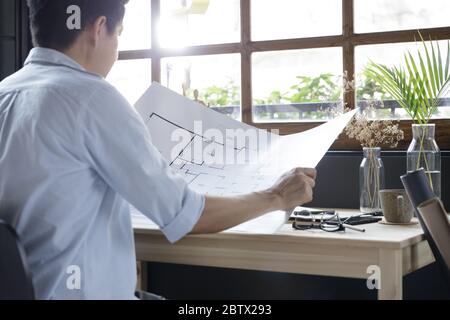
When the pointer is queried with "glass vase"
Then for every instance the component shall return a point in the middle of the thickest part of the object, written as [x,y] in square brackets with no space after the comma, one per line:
[423,152]
[371,180]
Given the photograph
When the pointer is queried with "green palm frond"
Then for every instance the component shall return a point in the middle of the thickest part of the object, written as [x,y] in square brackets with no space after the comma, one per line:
[420,83]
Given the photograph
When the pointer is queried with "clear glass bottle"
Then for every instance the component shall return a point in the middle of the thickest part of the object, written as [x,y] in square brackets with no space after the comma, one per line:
[423,152]
[371,180]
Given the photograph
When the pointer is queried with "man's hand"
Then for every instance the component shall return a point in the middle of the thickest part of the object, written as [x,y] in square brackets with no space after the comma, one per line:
[295,188]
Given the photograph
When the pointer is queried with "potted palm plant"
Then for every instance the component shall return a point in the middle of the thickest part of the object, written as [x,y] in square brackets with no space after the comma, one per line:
[418,86]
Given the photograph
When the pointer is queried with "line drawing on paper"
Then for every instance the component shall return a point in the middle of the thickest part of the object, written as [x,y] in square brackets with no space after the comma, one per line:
[211,179]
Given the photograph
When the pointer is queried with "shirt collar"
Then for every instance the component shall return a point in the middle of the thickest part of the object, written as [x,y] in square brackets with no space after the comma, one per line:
[50,56]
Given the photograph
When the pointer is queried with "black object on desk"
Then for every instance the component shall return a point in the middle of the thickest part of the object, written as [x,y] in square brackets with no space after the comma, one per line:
[352,221]
[365,219]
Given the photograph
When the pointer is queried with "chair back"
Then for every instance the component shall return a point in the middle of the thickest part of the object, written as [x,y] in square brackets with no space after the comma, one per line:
[15,280]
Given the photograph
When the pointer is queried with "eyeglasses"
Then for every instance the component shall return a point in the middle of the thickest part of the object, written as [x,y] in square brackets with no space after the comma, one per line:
[328,221]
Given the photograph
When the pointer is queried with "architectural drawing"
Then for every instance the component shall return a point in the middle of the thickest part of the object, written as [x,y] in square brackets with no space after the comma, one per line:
[217,179]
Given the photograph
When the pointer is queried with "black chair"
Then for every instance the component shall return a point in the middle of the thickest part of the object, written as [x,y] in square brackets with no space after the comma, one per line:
[432,217]
[15,280]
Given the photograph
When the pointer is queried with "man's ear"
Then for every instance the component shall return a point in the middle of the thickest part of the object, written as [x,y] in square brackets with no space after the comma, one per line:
[98,29]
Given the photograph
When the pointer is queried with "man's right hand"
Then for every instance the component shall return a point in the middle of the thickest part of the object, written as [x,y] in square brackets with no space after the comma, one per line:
[294,188]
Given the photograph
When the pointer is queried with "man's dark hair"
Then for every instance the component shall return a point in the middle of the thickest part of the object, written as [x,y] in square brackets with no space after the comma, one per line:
[48,19]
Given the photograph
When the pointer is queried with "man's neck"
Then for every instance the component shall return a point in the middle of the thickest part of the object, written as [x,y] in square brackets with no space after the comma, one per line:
[76,56]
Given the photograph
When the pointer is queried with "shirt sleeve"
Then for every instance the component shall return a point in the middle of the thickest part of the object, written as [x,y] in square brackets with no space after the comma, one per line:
[119,148]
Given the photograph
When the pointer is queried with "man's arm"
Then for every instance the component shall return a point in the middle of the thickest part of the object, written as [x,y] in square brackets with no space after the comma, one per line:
[293,189]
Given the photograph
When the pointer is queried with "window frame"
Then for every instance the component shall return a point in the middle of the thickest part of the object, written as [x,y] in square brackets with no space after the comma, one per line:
[348,41]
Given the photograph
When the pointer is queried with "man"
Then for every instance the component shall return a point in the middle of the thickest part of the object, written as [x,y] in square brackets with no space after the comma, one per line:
[74,154]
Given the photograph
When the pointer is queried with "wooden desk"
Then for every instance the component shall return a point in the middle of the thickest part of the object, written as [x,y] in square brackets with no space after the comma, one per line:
[397,250]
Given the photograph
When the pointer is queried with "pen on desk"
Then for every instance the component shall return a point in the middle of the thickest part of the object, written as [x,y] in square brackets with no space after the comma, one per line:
[354,228]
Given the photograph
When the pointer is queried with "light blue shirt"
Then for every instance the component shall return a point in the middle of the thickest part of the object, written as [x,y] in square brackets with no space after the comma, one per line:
[73,155]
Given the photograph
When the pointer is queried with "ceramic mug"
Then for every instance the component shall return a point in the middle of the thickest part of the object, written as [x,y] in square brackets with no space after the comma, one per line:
[396,206]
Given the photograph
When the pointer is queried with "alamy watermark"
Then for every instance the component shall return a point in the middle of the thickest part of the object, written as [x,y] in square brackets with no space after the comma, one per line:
[73,21]
[373,281]
[219,147]
[73,281]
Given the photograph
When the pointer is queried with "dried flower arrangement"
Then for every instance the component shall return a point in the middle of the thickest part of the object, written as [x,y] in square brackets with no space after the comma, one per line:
[374,133]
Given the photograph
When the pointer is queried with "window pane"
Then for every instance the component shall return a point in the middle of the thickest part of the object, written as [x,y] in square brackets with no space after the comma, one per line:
[283,19]
[137,26]
[131,78]
[216,78]
[390,55]
[388,15]
[297,85]
[199,22]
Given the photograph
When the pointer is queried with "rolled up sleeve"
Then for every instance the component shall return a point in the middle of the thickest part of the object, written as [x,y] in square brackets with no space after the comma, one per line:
[119,149]
[184,222]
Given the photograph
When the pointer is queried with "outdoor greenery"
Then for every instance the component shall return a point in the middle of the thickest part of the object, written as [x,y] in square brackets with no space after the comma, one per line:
[214,96]
[325,88]
[371,90]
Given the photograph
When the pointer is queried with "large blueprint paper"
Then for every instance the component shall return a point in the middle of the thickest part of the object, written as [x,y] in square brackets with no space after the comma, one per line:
[220,156]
